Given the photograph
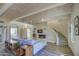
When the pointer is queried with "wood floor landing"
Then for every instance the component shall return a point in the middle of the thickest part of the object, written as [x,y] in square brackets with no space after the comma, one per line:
[54,50]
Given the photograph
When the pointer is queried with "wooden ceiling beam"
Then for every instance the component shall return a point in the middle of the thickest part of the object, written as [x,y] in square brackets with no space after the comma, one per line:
[41,10]
[4,8]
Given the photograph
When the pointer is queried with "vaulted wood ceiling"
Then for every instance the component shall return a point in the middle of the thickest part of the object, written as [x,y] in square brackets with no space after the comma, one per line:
[60,12]
[24,12]
[20,9]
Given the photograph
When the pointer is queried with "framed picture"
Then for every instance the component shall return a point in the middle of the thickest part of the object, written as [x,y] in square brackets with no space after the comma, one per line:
[76,30]
[40,31]
[76,25]
[76,20]
[42,36]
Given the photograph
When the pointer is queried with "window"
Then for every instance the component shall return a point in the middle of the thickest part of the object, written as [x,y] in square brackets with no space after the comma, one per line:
[13,32]
[1,34]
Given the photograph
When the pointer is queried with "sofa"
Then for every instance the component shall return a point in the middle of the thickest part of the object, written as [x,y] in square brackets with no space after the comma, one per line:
[25,47]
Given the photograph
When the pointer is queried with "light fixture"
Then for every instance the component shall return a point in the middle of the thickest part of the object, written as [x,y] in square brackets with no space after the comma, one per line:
[42,19]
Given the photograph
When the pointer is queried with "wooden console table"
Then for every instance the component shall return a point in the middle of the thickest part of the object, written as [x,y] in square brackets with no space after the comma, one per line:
[28,50]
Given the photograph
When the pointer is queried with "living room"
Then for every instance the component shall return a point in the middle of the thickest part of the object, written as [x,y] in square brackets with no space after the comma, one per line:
[38,29]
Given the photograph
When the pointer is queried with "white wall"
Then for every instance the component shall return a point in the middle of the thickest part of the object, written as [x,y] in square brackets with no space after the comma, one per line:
[51,35]
[49,32]
[73,39]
